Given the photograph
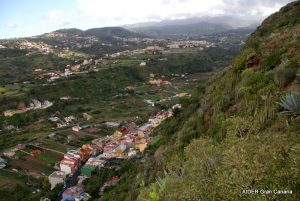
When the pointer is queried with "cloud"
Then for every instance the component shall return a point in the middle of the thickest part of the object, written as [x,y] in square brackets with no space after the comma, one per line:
[138,10]
[253,7]
[11,25]
[116,12]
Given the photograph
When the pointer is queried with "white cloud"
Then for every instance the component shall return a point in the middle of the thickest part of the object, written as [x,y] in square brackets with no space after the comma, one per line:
[11,25]
[117,12]
[129,11]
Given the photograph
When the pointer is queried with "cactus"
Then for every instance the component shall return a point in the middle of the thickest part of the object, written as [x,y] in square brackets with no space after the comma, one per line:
[291,103]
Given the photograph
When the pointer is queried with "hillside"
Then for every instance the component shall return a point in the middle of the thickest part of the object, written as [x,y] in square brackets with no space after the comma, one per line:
[112,32]
[238,132]
[95,41]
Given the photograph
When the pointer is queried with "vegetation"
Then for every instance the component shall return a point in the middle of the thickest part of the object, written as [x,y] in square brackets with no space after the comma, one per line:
[230,136]
[291,103]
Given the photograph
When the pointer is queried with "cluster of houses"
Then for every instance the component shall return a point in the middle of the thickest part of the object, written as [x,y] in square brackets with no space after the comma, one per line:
[130,139]
[62,122]
[189,44]
[69,70]
[11,152]
[149,49]
[125,142]
[34,105]
[159,82]
[77,41]
[34,46]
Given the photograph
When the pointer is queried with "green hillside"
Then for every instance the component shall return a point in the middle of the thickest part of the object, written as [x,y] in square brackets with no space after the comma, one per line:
[109,32]
[238,132]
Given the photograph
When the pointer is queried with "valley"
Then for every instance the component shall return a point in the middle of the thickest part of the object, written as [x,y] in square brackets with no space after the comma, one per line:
[92,97]
[155,111]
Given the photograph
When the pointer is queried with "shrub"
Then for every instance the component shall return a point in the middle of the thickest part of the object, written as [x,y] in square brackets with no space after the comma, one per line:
[284,76]
[291,103]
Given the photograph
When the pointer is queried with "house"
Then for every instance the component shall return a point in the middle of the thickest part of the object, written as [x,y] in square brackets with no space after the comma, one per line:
[120,150]
[76,128]
[36,104]
[173,46]
[21,146]
[109,147]
[117,135]
[154,48]
[140,145]
[56,177]
[131,152]
[54,119]
[69,119]
[65,98]
[112,124]
[68,166]
[176,106]
[9,113]
[107,155]
[75,68]
[141,134]
[87,116]
[143,63]
[35,152]
[73,154]
[70,162]
[75,193]
[182,94]
[10,153]
[85,151]
[98,142]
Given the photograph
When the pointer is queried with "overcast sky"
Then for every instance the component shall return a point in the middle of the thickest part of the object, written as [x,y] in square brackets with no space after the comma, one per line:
[19,18]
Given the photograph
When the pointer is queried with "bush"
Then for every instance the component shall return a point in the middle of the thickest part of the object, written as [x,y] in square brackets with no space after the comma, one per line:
[284,76]
[291,103]
[285,73]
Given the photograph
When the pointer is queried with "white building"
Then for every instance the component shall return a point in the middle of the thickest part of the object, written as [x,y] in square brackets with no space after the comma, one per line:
[76,128]
[56,177]
[143,63]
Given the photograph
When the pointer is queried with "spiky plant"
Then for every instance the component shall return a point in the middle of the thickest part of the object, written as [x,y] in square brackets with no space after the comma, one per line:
[291,103]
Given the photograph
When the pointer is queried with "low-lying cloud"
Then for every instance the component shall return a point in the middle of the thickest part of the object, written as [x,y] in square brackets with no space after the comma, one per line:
[132,11]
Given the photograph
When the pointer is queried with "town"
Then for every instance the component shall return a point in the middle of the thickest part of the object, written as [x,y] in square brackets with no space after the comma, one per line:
[77,165]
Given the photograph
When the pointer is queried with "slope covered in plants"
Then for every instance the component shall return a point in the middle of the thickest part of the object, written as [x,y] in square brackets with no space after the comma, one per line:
[241,131]
[246,125]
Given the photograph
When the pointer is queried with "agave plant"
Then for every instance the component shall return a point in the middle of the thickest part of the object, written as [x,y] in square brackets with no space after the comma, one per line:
[291,103]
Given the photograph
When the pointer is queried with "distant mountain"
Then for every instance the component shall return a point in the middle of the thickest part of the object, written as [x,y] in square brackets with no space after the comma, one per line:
[72,31]
[232,21]
[195,26]
[102,33]
[185,30]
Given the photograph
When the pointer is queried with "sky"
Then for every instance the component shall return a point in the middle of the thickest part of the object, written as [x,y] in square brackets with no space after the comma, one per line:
[22,18]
